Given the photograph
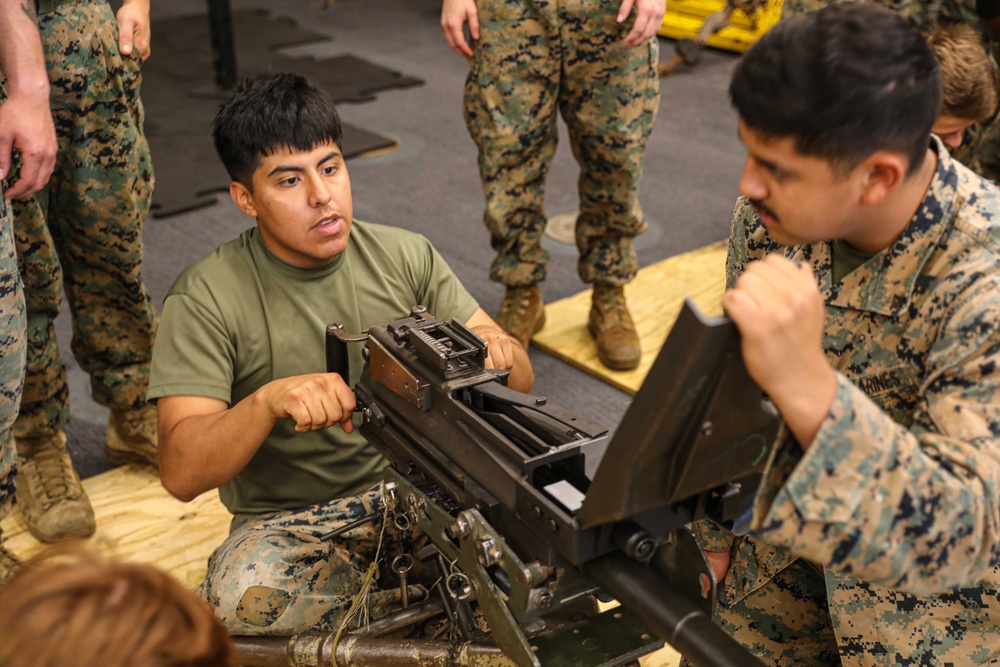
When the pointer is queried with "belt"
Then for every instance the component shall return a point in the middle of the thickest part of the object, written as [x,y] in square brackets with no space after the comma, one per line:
[47,6]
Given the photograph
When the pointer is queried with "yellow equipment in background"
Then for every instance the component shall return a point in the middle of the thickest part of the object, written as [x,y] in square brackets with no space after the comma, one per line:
[749,20]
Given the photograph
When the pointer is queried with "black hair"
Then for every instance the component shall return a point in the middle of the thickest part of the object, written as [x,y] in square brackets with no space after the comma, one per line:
[842,82]
[269,113]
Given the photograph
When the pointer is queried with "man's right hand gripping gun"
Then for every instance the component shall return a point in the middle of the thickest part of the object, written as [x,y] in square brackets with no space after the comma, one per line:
[535,509]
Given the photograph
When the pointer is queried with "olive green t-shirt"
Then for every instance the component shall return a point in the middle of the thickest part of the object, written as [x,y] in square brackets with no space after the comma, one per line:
[846,258]
[241,317]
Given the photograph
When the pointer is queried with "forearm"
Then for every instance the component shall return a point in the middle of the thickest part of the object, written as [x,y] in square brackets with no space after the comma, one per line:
[21,55]
[913,512]
[201,452]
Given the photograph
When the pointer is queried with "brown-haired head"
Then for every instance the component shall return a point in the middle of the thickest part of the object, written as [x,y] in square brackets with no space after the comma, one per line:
[968,74]
[69,607]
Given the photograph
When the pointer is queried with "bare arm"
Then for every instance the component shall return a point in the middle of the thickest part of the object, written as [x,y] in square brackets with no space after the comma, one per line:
[133,27]
[25,118]
[505,352]
[204,443]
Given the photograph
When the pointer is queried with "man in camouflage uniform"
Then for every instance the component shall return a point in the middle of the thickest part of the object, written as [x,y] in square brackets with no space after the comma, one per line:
[980,148]
[82,235]
[594,62]
[244,404]
[25,124]
[865,282]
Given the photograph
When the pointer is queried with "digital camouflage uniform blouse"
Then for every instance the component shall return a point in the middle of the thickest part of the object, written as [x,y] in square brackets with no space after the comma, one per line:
[897,498]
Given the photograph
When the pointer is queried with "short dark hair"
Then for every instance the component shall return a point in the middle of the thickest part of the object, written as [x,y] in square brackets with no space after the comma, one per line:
[269,113]
[842,82]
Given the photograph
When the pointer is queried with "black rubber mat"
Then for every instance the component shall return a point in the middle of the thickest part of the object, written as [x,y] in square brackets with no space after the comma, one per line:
[181,98]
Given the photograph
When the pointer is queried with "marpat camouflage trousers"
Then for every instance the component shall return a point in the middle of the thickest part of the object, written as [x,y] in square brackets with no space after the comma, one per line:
[82,234]
[537,57]
[12,322]
[274,575]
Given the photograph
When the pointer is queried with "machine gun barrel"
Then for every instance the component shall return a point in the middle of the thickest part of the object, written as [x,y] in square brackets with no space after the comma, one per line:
[668,612]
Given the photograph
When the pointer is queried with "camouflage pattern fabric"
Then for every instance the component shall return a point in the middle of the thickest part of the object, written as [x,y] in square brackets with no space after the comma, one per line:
[926,14]
[12,323]
[897,498]
[274,575]
[535,57]
[82,234]
[980,150]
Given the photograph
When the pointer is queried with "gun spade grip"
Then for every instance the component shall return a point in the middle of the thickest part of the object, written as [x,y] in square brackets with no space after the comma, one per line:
[336,353]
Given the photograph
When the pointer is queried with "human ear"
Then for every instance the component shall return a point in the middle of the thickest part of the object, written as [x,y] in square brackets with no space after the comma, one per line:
[243,197]
[882,173]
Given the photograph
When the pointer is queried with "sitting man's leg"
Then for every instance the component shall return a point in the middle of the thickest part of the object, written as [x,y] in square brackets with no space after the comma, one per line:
[275,576]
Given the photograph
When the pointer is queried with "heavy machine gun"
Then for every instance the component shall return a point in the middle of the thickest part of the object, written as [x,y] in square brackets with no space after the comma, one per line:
[530,509]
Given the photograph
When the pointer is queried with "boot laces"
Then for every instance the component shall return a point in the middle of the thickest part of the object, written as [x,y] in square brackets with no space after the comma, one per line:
[516,302]
[611,304]
[54,477]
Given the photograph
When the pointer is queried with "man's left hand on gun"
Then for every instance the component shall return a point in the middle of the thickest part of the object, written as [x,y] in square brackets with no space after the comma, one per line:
[648,19]
[777,306]
[133,28]
[501,346]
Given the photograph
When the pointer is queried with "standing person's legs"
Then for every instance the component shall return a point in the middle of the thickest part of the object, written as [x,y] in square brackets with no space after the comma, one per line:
[510,103]
[83,235]
[609,98]
[12,324]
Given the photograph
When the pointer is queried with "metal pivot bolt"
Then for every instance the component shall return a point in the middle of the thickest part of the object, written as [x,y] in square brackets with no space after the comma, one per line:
[488,551]
[459,529]
[541,598]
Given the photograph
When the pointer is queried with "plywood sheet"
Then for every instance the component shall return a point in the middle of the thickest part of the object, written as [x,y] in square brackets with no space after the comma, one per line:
[654,298]
[137,520]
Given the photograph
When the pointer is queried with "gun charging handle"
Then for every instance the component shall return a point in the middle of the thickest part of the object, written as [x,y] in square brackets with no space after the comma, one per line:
[337,339]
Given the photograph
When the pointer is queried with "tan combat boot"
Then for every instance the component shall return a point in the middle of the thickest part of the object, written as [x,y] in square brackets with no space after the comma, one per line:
[8,562]
[522,313]
[132,436]
[611,326]
[49,493]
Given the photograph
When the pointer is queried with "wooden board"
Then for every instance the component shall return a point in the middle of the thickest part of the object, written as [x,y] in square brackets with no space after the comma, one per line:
[654,298]
[684,18]
[137,520]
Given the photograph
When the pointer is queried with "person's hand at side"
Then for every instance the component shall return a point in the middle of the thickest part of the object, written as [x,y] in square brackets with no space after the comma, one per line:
[134,31]
[26,124]
[454,15]
[648,19]
[25,117]
[777,306]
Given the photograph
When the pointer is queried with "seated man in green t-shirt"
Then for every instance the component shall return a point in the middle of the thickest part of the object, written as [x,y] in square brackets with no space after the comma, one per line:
[244,404]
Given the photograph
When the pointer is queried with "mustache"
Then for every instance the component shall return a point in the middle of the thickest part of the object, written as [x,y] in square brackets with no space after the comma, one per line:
[759,207]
